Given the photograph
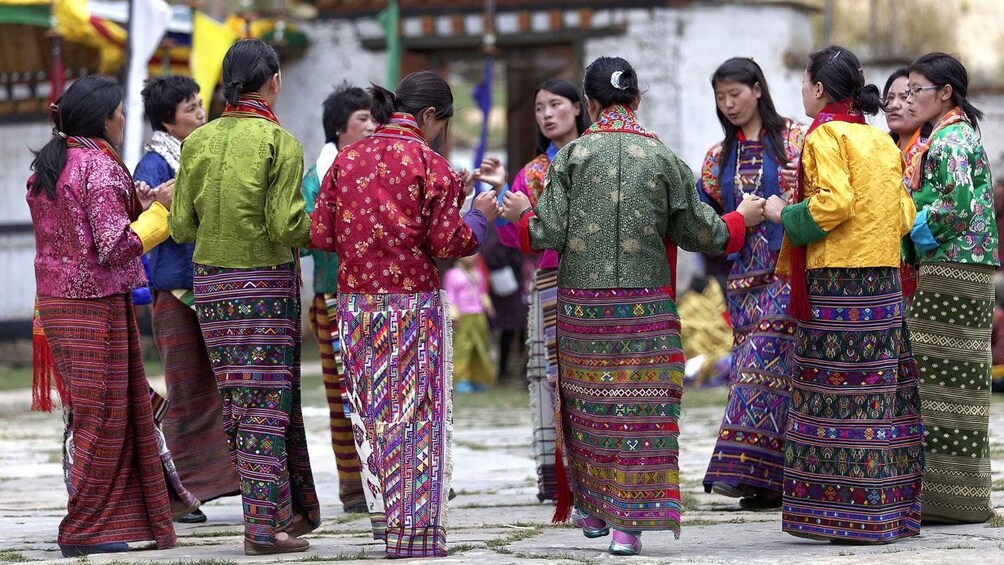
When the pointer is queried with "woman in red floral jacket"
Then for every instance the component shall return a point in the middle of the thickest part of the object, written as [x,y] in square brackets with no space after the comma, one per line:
[388,206]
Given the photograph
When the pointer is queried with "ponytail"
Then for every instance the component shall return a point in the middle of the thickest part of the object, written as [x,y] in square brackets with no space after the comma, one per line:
[869,99]
[383,103]
[247,66]
[417,91]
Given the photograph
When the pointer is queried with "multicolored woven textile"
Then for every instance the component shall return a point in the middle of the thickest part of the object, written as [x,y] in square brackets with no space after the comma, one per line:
[542,371]
[749,451]
[323,313]
[114,476]
[250,320]
[192,426]
[854,452]
[621,380]
[950,324]
[397,378]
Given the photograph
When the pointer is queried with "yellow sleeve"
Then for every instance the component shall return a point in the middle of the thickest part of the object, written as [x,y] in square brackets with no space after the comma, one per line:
[151,226]
[832,201]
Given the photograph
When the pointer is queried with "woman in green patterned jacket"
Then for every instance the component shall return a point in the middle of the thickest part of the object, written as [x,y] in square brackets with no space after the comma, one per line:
[614,201]
[955,242]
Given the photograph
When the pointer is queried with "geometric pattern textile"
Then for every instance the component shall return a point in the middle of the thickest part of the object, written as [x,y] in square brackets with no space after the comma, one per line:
[854,453]
[950,325]
[398,370]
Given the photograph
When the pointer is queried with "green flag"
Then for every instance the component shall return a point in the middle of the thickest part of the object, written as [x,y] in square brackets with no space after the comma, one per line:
[388,18]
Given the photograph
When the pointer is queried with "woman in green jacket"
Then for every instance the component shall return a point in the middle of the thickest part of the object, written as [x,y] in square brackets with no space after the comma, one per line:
[238,196]
[612,198]
[955,239]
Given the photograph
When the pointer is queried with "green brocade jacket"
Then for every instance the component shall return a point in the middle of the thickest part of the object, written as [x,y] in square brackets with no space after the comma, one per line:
[610,199]
[238,196]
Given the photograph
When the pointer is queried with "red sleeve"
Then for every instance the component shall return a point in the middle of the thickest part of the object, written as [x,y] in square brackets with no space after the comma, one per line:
[671,259]
[524,233]
[448,236]
[737,231]
[322,219]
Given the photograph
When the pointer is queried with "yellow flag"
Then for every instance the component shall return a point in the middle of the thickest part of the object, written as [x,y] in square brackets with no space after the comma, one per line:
[210,42]
[76,25]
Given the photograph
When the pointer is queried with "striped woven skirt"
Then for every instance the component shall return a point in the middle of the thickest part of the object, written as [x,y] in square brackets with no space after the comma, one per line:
[620,380]
[950,324]
[854,451]
[541,370]
[250,320]
[398,370]
[193,423]
[323,313]
[749,453]
[114,472]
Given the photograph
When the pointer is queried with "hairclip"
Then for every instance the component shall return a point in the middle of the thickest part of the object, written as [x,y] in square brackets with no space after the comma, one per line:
[615,80]
[833,57]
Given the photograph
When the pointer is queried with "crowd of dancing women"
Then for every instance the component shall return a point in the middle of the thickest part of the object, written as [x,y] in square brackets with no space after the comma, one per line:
[861,297]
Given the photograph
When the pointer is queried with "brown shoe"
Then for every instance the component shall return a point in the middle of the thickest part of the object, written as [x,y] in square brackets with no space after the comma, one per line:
[288,545]
[299,526]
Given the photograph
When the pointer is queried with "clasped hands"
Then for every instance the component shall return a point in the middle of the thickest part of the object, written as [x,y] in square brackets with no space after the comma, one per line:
[755,209]
[162,193]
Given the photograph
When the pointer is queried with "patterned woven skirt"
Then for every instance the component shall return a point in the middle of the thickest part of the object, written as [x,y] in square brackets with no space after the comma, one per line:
[541,370]
[250,319]
[193,425]
[323,313]
[749,452]
[621,380]
[950,323]
[114,472]
[854,451]
[398,368]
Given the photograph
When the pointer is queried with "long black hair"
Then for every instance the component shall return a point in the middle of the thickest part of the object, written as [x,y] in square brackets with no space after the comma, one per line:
[598,82]
[567,90]
[417,91]
[943,69]
[81,111]
[745,71]
[247,66]
[839,70]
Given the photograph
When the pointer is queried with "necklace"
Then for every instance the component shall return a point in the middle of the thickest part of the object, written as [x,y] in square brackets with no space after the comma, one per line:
[738,179]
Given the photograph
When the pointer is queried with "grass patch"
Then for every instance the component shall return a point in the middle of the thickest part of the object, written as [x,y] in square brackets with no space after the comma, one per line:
[997,485]
[180,562]
[552,557]
[361,554]
[11,556]
[708,522]
[462,547]
[705,397]
[500,544]
[492,408]
[959,546]
[215,534]
[996,521]
[13,378]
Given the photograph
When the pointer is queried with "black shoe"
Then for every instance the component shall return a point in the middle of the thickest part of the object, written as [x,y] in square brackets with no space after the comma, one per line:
[452,495]
[69,550]
[194,517]
[760,503]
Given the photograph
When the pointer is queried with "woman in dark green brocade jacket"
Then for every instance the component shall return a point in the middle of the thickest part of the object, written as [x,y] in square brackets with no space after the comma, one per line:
[612,198]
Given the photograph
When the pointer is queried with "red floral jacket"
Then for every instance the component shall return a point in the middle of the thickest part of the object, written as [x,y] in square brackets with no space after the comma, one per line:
[390,205]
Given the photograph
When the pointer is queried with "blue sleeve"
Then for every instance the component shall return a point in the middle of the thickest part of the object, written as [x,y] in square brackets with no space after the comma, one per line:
[153,170]
[921,233]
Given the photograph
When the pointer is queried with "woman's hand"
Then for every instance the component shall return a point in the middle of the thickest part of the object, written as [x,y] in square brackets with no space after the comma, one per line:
[485,203]
[752,209]
[513,205]
[789,179]
[164,193]
[772,211]
[492,172]
[144,193]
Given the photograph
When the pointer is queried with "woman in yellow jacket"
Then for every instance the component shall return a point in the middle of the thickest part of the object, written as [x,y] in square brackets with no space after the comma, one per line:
[854,448]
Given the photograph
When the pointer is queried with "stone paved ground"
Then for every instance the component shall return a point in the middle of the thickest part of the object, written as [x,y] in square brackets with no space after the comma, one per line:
[495,518]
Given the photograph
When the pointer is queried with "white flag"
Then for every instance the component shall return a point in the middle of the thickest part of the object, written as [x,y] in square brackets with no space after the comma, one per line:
[149,23]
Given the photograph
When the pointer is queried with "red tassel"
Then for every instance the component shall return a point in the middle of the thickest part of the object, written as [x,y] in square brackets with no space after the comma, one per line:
[798,306]
[43,368]
[671,258]
[563,508]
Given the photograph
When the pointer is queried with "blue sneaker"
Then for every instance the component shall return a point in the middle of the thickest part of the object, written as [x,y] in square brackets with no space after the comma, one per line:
[463,387]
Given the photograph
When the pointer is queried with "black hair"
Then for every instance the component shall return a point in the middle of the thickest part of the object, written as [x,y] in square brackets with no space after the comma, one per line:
[340,106]
[746,71]
[247,66]
[81,111]
[416,92]
[839,70]
[899,73]
[943,69]
[566,90]
[598,85]
[162,95]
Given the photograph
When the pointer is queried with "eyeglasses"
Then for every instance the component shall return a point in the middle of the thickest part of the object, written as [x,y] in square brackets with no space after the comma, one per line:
[918,89]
